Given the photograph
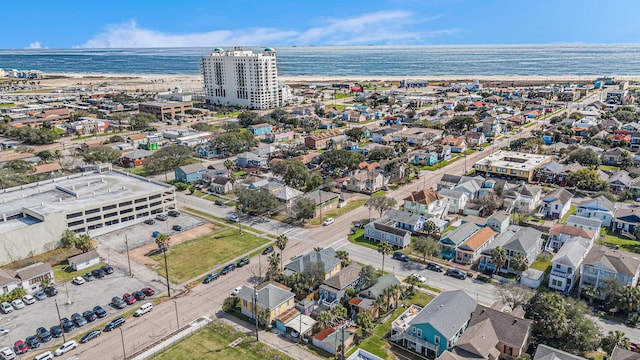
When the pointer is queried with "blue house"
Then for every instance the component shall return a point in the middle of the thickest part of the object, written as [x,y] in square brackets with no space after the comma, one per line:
[454,238]
[394,227]
[436,328]
[333,289]
[190,173]
[625,220]
[424,158]
[260,129]
[206,151]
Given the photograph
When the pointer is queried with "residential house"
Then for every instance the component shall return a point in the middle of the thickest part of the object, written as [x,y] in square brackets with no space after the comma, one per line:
[470,186]
[436,328]
[524,198]
[499,221]
[620,353]
[221,185]
[491,127]
[295,324]
[325,201]
[321,140]
[29,278]
[458,145]
[474,138]
[326,256]
[599,208]
[428,203]
[135,158]
[394,227]
[591,224]
[366,182]
[272,297]
[448,181]
[331,339]
[625,220]
[635,183]
[137,140]
[450,240]
[603,265]
[280,136]
[424,158]
[84,260]
[457,200]
[251,159]
[286,194]
[559,233]
[260,130]
[470,250]
[190,173]
[359,306]
[565,265]
[377,289]
[544,352]
[516,240]
[333,289]
[619,182]
[613,156]
[556,203]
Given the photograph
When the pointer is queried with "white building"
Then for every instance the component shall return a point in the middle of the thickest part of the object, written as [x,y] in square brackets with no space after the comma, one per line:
[242,77]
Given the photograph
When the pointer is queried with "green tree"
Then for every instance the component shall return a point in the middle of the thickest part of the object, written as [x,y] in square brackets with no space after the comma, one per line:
[201,126]
[381,203]
[116,139]
[584,157]
[314,274]
[513,294]
[365,322]
[259,200]
[234,142]
[100,154]
[314,182]
[229,165]
[590,292]
[412,281]
[247,118]
[344,257]
[356,134]
[519,264]
[281,243]
[490,202]
[586,179]
[613,339]
[306,208]
[45,155]
[498,257]
[167,158]
[324,320]
[20,166]
[429,228]
[627,299]
[460,123]
[141,121]
[339,311]
[385,249]
[426,246]
[68,239]
[293,172]
[460,108]
[84,243]
[368,276]
[275,264]
[626,161]
[341,160]
[381,153]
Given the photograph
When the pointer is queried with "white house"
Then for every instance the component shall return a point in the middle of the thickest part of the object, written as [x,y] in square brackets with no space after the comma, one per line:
[29,278]
[221,185]
[556,203]
[84,260]
[523,197]
[565,266]
[600,207]
[456,199]
[428,203]
[560,233]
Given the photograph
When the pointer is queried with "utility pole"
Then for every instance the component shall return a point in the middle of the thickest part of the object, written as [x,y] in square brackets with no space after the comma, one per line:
[255,305]
[177,319]
[126,243]
[166,268]
[64,338]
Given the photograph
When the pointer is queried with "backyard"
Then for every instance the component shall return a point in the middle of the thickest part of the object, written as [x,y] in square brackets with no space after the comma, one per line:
[615,239]
[213,342]
[63,273]
[211,250]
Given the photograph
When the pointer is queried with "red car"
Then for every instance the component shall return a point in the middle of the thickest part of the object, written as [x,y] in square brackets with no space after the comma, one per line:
[20,347]
[128,298]
[148,291]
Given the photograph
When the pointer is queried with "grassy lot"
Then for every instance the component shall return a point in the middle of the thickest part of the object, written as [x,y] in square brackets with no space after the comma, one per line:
[624,243]
[542,263]
[358,238]
[213,341]
[609,168]
[229,115]
[211,250]
[64,273]
[6,105]
[343,95]
[379,193]
[339,212]
[375,343]
[530,124]
[240,173]
[441,164]
[572,210]
[221,221]
[136,170]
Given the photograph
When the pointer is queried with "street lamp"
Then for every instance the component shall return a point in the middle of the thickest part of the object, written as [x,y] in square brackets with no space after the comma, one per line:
[124,352]
[166,268]
[177,318]
[126,243]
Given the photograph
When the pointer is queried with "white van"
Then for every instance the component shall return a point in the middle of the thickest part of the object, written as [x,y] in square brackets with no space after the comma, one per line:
[145,308]
[7,354]
[47,355]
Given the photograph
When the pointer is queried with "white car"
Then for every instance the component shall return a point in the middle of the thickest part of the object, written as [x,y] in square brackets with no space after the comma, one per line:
[68,346]
[3,331]
[18,304]
[419,277]
[28,299]
[236,291]
[6,307]
[78,280]
[7,353]
[328,221]
[233,218]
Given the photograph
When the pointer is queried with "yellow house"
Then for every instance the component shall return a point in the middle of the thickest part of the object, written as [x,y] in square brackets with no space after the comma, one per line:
[511,164]
[273,299]
[328,257]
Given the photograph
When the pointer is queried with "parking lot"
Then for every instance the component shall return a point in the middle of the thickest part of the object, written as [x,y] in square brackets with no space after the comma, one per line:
[24,322]
[140,234]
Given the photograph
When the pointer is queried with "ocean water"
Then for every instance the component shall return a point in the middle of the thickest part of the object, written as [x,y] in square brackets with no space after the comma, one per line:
[579,59]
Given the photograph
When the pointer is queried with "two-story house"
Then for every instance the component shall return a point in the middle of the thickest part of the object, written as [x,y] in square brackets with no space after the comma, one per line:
[469,251]
[457,200]
[458,145]
[366,181]
[591,224]
[600,208]
[603,265]
[565,265]
[434,329]
[190,173]
[524,197]
[625,220]
[428,203]
[327,256]
[454,238]
[272,298]
[424,158]
[499,221]
[556,203]
[515,240]
[619,181]
[559,233]
[332,290]
[394,227]
[260,130]
[474,138]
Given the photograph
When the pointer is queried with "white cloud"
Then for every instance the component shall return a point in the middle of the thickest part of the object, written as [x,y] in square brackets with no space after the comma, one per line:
[383,27]
[35,45]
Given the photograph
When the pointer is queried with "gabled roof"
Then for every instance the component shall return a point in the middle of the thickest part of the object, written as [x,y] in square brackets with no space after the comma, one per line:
[509,329]
[523,240]
[451,179]
[343,278]
[269,296]
[523,189]
[499,216]
[560,194]
[558,229]
[220,180]
[544,352]
[192,168]
[33,270]
[552,167]
[471,186]
[478,239]
[572,252]
[450,193]
[461,233]
[600,203]
[575,220]
[327,256]
[624,212]
[619,261]
[389,229]
[622,177]
[138,154]
[402,216]
[384,282]
[423,197]
[479,339]
[447,313]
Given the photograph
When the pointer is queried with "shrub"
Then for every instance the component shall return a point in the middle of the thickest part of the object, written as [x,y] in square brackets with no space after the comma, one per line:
[230,304]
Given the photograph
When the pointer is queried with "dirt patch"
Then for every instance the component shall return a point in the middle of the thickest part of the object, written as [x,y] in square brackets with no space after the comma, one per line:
[138,255]
[53,257]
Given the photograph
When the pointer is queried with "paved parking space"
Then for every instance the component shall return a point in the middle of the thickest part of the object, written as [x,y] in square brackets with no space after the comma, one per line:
[140,234]
[24,322]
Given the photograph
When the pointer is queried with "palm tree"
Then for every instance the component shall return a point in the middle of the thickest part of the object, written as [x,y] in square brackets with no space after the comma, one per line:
[365,322]
[281,243]
[274,266]
[627,299]
[498,257]
[324,320]
[590,292]
[162,240]
[339,311]
[412,281]
[384,248]
[387,293]
[396,292]
[344,257]
[519,264]
[613,339]
[379,302]
[230,165]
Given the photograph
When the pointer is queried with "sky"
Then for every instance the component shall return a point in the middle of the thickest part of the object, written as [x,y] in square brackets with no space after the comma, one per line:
[67,24]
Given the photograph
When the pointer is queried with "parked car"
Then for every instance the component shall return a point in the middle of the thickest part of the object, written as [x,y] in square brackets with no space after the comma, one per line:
[7,354]
[236,291]
[4,331]
[32,341]
[89,315]
[88,277]
[420,278]
[98,273]
[99,311]
[148,291]
[400,256]
[20,347]
[233,218]
[108,269]
[174,213]
[242,262]
[66,347]
[78,319]
[43,334]
[114,324]
[227,269]
[139,295]
[78,280]
[17,304]
[267,250]
[128,298]
[328,221]
[456,273]
[56,331]
[145,308]
[162,217]
[51,291]
[434,267]
[218,202]
[67,325]
[209,278]
[149,221]
[118,303]
[177,227]
[28,299]
[40,295]
[90,336]
[6,307]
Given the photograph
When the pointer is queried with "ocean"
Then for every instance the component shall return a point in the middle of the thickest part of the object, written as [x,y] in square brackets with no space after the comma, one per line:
[415,61]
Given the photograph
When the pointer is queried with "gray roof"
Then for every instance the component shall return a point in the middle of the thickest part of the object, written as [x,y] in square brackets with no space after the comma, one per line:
[89,255]
[509,329]
[447,313]
[384,282]
[621,176]
[138,154]
[619,261]
[452,179]
[601,202]
[192,168]
[575,220]
[220,180]
[560,194]
[572,252]
[327,256]
[33,270]
[461,233]
[523,240]
[269,296]
[405,217]
[499,216]
[524,189]
[544,352]
[553,167]
[316,195]
[343,278]
[454,194]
